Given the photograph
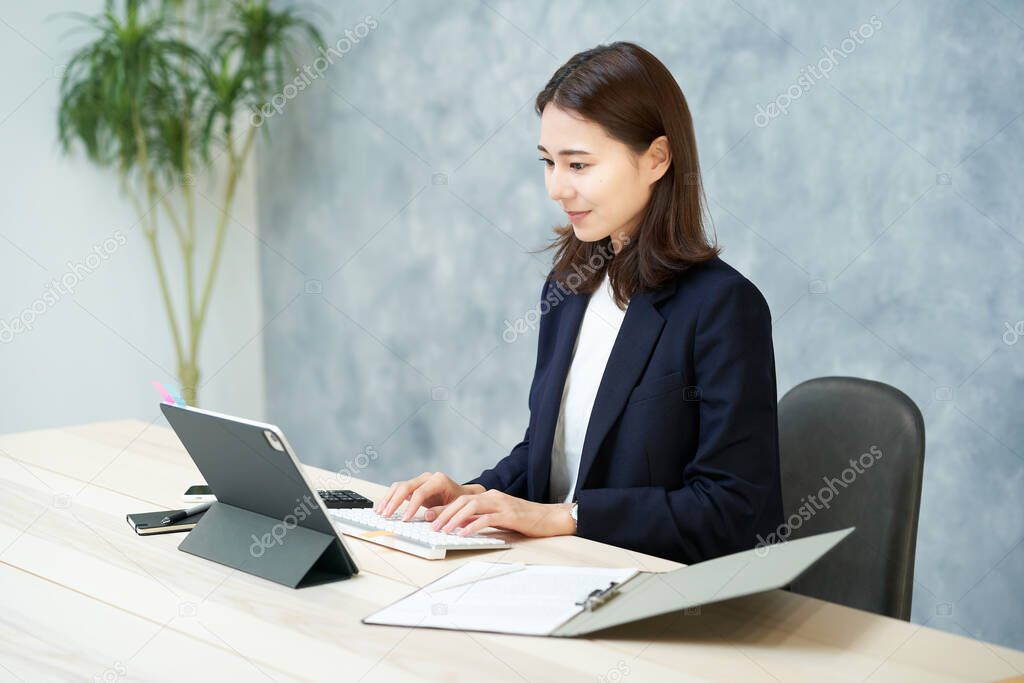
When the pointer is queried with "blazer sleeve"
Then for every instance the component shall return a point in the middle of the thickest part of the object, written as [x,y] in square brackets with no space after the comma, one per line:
[510,473]
[731,487]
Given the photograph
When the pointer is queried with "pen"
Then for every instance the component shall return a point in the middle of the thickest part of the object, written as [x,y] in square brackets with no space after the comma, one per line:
[182,514]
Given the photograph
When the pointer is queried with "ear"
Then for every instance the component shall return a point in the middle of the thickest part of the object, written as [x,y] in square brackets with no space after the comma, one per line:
[658,158]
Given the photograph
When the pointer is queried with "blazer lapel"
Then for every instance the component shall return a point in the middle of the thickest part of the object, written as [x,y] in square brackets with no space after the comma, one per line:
[640,330]
[637,337]
[572,309]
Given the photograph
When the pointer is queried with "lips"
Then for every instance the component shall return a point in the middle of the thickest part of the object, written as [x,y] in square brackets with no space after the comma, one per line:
[576,215]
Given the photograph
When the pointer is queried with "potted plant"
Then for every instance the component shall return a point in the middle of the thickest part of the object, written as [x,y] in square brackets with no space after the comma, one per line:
[159,99]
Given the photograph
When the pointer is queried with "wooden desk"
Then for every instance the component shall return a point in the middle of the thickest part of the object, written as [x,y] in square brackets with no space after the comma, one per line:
[83,596]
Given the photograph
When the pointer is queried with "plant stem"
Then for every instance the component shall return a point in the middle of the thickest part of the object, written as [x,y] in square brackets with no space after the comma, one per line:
[151,237]
[236,164]
[175,222]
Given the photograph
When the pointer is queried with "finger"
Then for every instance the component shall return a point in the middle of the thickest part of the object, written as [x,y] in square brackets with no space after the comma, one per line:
[384,499]
[449,510]
[397,496]
[427,488]
[487,499]
[432,513]
[472,507]
[481,522]
[410,488]
[401,493]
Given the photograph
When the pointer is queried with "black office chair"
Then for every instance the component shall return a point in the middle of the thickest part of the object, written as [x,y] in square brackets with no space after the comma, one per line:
[823,424]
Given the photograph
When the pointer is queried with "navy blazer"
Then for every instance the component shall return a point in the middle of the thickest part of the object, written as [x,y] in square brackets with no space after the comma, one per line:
[681,455]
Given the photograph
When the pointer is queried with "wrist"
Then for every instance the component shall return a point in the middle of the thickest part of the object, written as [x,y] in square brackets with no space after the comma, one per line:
[567,523]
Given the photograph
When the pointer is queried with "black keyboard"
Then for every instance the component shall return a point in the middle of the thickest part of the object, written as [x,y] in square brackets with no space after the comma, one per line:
[345,499]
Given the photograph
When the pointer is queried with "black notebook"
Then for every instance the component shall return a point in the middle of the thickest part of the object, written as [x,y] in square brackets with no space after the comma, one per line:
[146,523]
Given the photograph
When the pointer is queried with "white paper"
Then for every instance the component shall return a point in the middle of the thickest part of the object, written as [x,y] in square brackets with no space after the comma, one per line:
[506,598]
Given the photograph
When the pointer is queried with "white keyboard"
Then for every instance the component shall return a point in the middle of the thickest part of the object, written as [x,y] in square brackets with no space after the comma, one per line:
[417,538]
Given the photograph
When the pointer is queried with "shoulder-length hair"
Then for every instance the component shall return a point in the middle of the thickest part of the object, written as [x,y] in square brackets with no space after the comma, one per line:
[634,98]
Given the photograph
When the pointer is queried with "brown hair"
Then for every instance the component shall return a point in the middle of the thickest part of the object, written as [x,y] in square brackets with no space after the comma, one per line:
[634,98]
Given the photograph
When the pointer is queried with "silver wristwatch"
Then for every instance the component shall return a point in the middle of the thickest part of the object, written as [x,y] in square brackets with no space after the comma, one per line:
[573,513]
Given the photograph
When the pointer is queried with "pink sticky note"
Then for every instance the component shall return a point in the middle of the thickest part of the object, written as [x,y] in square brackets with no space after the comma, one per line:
[164,394]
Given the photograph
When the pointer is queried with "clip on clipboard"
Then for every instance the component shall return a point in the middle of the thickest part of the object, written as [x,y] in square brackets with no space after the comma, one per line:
[599,596]
[544,600]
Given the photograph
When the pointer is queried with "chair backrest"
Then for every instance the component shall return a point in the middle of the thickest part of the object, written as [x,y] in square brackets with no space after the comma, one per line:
[852,454]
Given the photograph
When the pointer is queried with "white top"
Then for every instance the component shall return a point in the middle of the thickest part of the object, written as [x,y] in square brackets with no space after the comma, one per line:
[600,327]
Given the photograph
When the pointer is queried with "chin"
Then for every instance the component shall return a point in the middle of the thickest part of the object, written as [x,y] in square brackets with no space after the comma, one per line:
[585,235]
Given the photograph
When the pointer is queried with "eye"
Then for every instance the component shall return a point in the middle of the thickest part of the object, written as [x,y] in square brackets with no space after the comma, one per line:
[575,165]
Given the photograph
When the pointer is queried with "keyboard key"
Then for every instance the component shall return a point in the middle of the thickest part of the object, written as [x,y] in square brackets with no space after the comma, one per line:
[344,499]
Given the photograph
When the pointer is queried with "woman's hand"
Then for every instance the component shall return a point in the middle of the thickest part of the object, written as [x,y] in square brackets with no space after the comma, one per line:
[433,489]
[474,512]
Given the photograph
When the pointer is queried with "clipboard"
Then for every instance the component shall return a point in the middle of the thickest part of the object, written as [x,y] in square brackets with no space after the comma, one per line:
[586,600]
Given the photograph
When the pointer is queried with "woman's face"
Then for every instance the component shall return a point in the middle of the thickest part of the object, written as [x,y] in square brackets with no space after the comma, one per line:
[598,181]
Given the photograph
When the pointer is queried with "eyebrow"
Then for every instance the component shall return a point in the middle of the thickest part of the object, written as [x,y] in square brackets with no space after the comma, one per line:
[565,152]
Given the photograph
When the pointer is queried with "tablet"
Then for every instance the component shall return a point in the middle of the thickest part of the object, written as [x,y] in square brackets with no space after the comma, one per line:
[264,501]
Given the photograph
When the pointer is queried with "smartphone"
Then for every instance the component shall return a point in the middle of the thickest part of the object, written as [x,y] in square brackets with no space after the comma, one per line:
[199,493]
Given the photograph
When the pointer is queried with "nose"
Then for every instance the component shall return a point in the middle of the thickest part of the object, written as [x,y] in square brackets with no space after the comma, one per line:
[559,189]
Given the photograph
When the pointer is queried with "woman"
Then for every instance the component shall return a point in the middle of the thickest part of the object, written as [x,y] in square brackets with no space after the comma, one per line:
[653,421]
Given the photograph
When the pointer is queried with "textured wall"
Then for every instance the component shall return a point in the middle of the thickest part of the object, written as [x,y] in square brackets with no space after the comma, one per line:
[880,215]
